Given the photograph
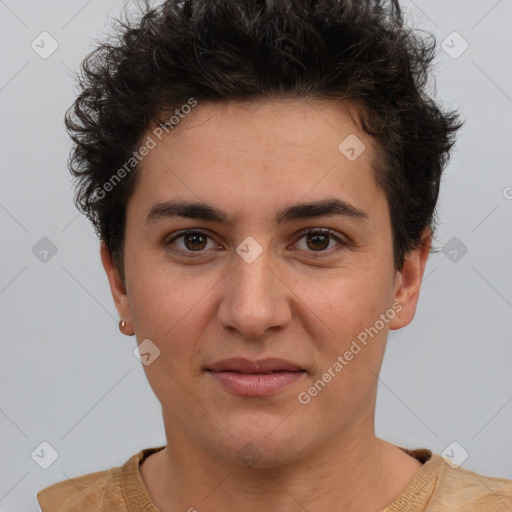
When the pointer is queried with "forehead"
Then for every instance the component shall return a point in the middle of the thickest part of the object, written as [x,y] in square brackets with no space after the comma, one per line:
[262,154]
[284,126]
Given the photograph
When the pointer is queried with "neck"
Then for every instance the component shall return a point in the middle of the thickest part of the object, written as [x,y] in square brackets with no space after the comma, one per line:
[358,472]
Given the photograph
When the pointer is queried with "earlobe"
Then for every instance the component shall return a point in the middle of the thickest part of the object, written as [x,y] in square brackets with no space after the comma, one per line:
[116,285]
[408,283]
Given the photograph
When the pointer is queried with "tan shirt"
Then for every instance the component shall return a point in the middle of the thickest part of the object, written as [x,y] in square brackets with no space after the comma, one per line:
[436,488]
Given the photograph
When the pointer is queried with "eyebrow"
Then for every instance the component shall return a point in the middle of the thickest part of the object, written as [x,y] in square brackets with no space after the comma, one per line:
[206,212]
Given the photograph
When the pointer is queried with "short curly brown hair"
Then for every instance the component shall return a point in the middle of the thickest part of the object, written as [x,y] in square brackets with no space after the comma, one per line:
[220,50]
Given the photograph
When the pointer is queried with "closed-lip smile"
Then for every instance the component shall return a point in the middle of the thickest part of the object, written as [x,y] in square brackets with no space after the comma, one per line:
[262,377]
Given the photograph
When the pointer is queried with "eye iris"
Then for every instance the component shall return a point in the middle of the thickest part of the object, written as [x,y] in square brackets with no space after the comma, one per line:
[317,240]
[195,237]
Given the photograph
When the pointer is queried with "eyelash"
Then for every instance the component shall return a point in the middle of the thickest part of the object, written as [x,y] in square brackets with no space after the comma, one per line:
[300,235]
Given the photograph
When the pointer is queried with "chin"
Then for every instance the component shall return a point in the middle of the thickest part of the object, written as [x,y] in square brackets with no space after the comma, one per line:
[257,443]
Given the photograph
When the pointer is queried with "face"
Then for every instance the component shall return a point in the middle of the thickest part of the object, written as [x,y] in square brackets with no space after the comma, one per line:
[264,277]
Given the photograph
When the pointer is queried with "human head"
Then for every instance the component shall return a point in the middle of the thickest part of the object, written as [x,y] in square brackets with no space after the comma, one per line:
[254,124]
[220,50]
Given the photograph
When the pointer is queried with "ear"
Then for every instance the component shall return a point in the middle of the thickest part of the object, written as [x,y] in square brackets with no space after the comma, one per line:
[408,282]
[116,285]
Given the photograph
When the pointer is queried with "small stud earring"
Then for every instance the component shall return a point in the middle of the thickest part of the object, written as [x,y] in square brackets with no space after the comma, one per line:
[122,325]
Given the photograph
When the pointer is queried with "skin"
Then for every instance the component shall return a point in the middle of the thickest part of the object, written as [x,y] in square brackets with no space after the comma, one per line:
[251,160]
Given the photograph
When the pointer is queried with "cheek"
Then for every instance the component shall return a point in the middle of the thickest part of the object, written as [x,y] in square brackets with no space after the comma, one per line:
[173,314]
[172,310]
[344,302]
[342,311]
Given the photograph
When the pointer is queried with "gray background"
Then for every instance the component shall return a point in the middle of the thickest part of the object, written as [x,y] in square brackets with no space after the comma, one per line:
[68,377]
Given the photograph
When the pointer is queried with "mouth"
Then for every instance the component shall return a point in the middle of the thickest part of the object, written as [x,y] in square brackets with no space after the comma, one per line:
[256,384]
[262,366]
[255,378]
[257,373]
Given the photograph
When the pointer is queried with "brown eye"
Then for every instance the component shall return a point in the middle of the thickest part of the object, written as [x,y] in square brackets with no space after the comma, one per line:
[191,241]
[195,241]
[317,241]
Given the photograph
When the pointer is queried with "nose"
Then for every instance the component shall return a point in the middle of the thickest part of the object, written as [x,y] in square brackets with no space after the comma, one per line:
[254,299]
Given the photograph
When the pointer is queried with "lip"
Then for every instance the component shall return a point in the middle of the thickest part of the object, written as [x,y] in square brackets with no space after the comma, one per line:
[242,365]
[255,378]
[256,384]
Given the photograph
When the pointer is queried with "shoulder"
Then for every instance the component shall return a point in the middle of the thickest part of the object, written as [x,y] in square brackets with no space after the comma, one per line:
[102,490]
[458,488]
[84,493]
